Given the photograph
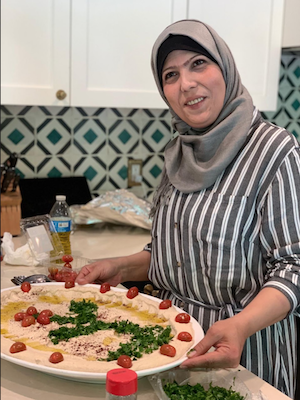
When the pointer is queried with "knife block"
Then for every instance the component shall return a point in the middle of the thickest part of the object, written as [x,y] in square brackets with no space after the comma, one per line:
[11,211]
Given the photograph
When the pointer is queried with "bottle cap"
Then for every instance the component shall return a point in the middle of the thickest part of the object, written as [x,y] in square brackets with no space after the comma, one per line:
[61,197]
[121,382]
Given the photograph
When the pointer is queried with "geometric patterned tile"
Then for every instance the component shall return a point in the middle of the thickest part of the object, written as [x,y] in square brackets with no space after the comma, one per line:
[293,72]
[157,113]
[82,112]
[53,167]
[118,173]
[54,136]
[156,135]
[89,136]
[17,135]
[93,168]
[294,128]
[292,104]
[152,168]
[123,137]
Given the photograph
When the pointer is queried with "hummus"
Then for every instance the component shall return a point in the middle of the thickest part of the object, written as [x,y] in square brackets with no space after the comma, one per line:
[82,353]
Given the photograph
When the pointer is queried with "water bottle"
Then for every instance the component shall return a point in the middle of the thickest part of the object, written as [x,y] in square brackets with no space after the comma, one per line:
[62,222]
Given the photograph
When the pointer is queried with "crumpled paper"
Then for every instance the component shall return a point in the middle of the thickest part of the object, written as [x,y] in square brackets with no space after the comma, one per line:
[20,256]
[117,207]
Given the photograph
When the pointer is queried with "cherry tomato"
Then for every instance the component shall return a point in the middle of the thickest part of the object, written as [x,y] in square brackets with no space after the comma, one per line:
[185,337]
[182,318]
[58,277]
[28,320]
[48,313]
[132,292]
[67,258]
[165,304]
[25,286]
[19,316]
[56,357]
[53,271]
[17,347]
[168,350]
[105,287]
[67,265]
[69,284]
[124,361]
[31,311]
[43,319]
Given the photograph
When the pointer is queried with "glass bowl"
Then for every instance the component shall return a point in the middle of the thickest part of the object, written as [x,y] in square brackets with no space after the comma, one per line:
[222,378]
[59,271]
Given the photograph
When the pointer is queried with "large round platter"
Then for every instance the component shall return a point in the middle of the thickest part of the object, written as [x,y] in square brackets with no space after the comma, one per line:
[93,377]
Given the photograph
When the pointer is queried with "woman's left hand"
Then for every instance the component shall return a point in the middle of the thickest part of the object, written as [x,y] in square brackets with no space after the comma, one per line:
[228,340]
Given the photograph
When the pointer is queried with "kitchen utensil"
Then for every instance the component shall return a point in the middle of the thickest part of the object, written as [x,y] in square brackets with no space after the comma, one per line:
[8,177]
[37,278]
[16,182]
[11,161]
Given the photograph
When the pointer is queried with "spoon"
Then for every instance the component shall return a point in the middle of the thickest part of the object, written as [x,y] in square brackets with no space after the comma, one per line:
[37,278]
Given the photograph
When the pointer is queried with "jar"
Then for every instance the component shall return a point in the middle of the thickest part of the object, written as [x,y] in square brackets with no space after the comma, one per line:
[121,384]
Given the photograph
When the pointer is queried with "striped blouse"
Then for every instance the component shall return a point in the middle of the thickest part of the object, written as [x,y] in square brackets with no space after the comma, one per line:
[213,250]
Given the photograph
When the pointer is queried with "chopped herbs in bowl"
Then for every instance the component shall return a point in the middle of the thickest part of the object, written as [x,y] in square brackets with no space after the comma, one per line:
[178,384]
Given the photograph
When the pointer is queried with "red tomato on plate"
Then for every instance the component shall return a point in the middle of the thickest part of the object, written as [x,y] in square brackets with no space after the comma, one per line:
[105,287]
[168,350]
[132,292]
[25,286]
[69,284]
[28,320]
[183,318]
[56,357]
[19,316]
[124,361]
[43,319]
[185,337]
[31,311]
[17,347]
[165,304]
[67,258]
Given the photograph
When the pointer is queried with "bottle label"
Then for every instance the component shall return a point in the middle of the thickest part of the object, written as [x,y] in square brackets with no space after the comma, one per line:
[61,226]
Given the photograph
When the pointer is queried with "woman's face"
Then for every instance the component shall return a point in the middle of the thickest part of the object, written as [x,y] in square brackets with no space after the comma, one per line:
[194,87]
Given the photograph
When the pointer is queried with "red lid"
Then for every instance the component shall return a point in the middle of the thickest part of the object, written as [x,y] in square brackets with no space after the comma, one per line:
[121,382]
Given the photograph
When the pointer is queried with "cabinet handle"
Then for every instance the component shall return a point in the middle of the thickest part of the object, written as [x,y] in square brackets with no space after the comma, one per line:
[61,94]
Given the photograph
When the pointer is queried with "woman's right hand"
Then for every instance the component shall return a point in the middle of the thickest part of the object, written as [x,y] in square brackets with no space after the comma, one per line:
[106,270]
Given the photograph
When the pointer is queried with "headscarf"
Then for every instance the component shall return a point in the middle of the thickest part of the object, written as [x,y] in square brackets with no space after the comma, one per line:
[197,156]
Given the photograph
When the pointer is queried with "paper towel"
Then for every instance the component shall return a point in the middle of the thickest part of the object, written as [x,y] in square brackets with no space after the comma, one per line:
[20,256]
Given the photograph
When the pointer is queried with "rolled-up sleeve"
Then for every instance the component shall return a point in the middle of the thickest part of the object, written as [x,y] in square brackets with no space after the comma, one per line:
[280,232]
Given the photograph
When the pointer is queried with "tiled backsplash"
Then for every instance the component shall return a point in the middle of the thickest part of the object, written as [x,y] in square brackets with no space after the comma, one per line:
[97,142]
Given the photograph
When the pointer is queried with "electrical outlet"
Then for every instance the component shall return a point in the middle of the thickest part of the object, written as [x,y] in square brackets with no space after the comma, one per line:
[135,172]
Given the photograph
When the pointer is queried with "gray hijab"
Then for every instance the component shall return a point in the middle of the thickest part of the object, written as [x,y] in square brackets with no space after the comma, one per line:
[196,157]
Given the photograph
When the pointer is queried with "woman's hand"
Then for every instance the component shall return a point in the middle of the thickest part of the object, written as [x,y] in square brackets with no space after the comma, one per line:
[228,336]
[116,270]
[106,270]
[228,340]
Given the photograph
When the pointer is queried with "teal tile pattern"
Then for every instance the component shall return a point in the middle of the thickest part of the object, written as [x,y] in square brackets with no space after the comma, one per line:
[97,142]
[287,114]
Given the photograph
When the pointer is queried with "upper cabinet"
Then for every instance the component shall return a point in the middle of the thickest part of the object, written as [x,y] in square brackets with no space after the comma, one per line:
[35,52]
[97,52]
[111,49]
[291,24]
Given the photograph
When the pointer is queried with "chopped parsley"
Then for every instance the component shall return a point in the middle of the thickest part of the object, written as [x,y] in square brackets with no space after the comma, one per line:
[197,392]
[83,317]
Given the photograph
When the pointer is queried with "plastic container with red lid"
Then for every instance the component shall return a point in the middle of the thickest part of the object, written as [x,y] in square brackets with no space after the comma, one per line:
[121,384]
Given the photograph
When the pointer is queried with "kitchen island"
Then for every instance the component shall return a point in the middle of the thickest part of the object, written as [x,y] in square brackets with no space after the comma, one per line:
[95,241]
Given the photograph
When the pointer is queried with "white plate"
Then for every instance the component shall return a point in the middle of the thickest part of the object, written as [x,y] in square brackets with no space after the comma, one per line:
[94,377]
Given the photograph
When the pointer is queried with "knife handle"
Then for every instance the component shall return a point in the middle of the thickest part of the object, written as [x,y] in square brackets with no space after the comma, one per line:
[8,177]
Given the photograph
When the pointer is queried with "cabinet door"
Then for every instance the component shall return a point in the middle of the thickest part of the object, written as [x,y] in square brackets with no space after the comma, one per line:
[111,51]
[253,31]
[35,43]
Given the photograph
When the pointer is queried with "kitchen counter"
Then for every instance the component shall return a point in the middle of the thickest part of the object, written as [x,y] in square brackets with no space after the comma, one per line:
[98,241]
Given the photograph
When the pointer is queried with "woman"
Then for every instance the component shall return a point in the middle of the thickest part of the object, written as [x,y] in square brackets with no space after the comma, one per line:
[226,216]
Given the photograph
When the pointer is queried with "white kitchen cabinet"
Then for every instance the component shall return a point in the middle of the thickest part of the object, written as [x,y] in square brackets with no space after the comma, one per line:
[98,51]
[291,24]
[35,51]
[111,50]
[253,32]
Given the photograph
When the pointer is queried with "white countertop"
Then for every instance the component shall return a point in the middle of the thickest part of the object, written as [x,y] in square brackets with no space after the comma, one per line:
[19,383]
